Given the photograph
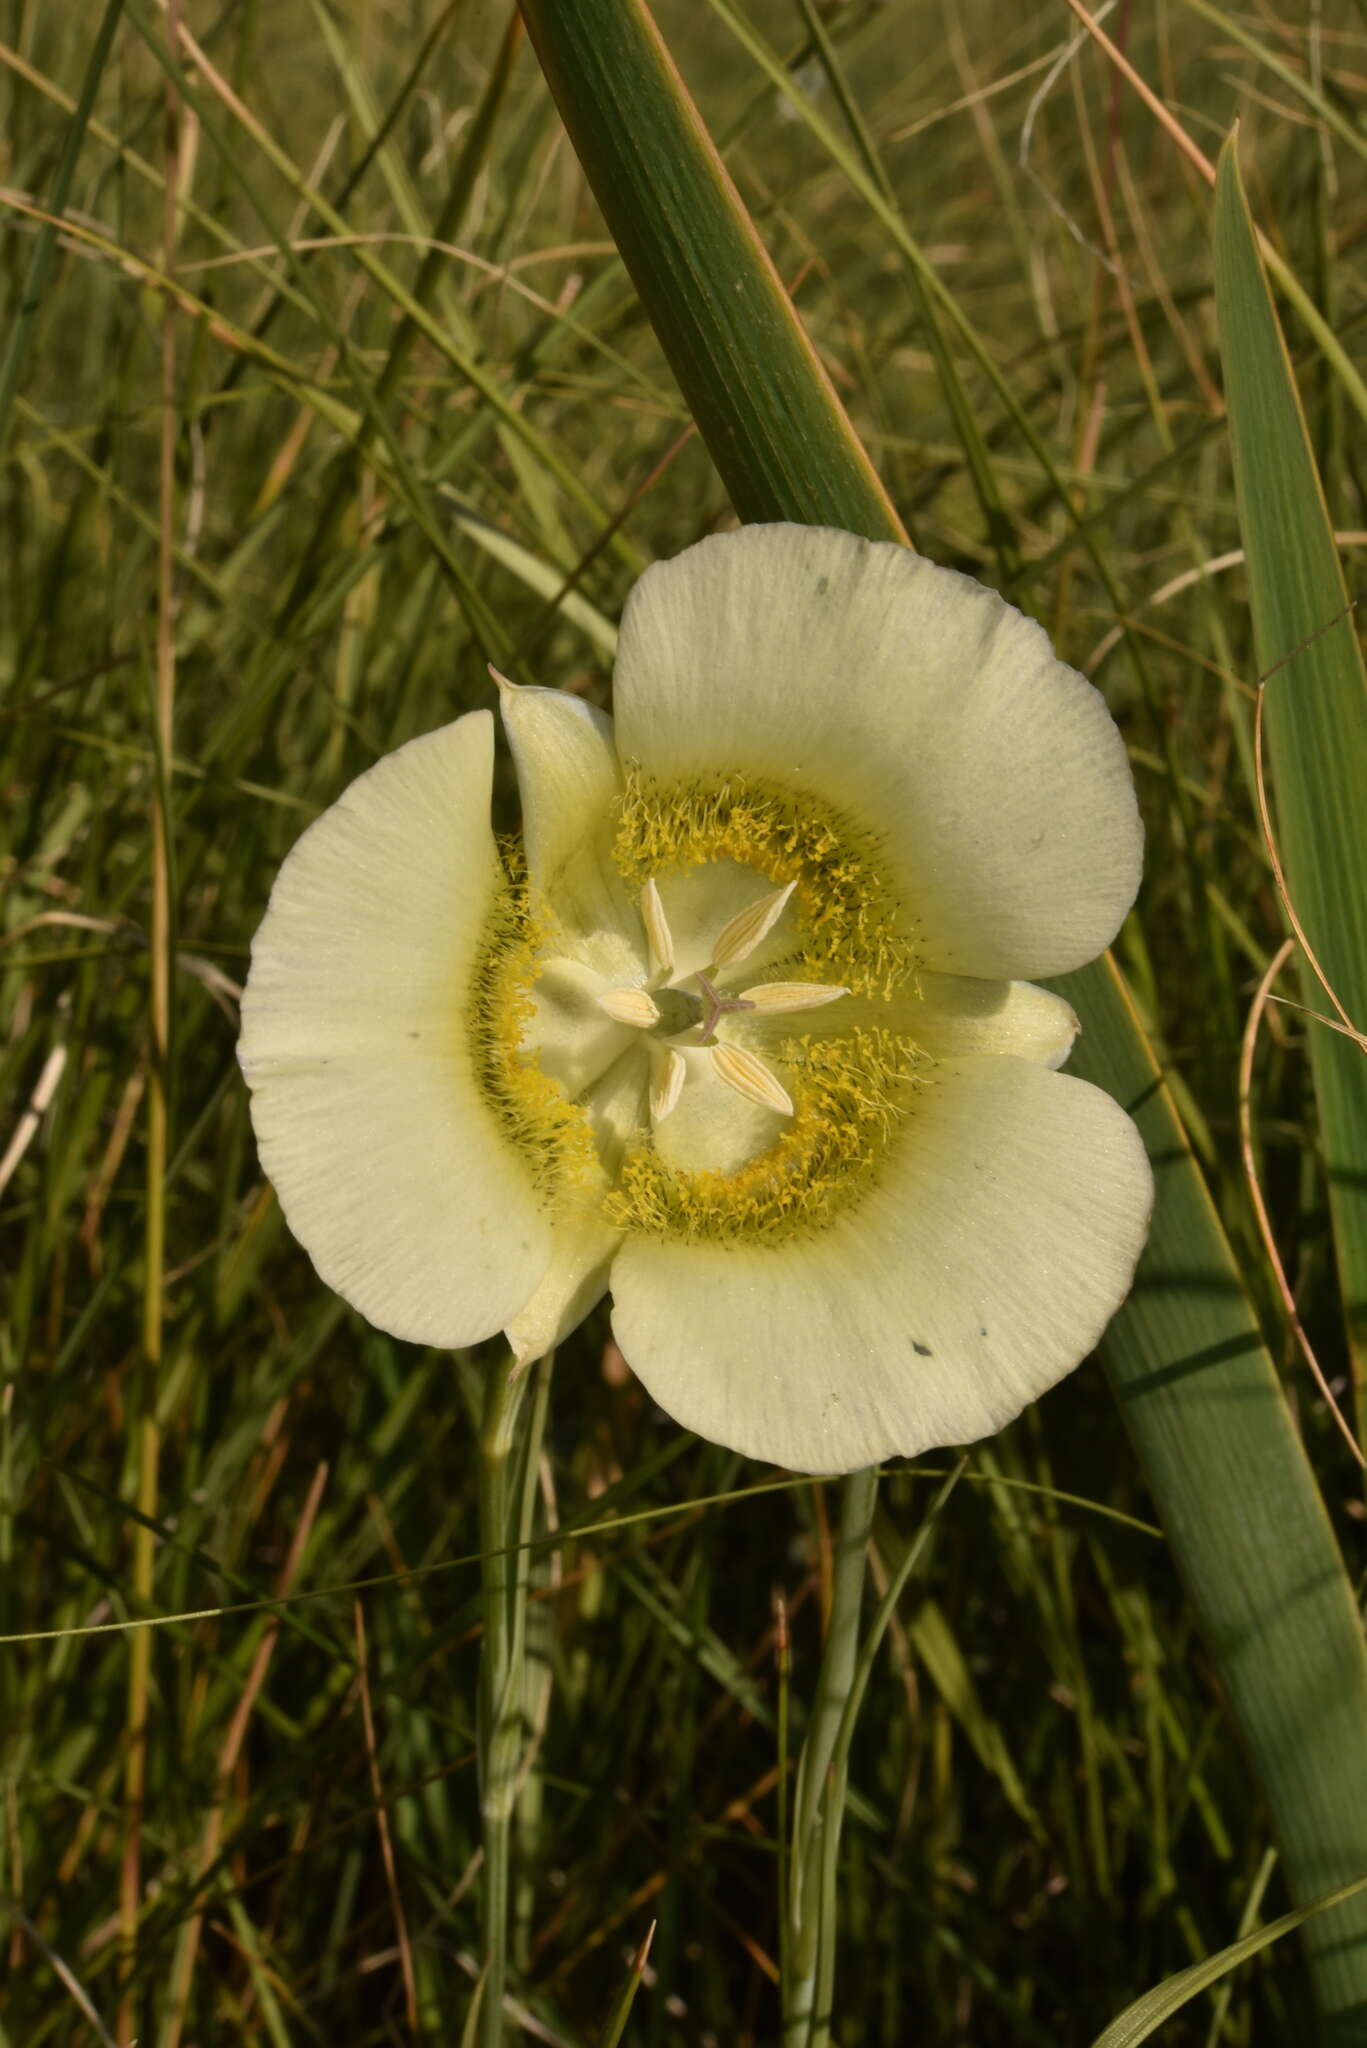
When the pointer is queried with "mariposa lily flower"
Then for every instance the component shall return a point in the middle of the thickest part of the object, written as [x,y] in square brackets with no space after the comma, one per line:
[745,1033]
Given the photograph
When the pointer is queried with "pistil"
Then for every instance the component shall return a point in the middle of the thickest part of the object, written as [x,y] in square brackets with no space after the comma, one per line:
[715,1007]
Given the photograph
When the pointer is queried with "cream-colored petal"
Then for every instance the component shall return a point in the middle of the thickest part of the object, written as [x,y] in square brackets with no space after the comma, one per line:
[391,1168]
[582,1243]
[958,1015]
[944,1015]
[582,1251]
[914,700]
[569,781]
[569,1033]
[980,1268]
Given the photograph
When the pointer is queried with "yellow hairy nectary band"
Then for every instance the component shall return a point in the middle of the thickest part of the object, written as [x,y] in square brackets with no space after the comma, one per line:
[552,1133]
[851,1095]
[855,929]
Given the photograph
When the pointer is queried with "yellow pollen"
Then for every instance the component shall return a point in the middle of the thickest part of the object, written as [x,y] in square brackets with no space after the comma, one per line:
[851,1093]
[855,928]
[552,1133]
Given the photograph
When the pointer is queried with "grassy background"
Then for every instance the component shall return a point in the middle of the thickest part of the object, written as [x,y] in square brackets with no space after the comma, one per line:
[1048,1811]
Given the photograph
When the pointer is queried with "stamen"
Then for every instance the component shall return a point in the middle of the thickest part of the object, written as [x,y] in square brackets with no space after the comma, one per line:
[666,1083]
[772,996]
[657,930]
[751,1078]
[629,1006]
[739,939]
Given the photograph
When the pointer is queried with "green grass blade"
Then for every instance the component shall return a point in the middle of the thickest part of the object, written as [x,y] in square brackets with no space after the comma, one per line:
[1140,2021]
[1315,708]
[45,250]
[755,385]
[1241,1509]
[1197,1387]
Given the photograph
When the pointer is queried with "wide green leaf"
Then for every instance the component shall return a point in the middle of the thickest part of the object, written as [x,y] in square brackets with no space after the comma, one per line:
[1315,711]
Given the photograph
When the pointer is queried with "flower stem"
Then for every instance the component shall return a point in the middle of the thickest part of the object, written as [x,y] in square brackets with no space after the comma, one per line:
[507,1478]
[818,1797]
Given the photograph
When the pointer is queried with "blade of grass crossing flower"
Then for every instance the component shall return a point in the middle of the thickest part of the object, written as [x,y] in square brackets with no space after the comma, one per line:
[691,248]
[1185,1358]
[1314,710]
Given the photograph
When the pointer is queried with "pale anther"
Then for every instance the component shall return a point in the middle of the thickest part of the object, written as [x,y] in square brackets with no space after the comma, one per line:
[751,1078]
[772,996]
[629,1006]
[657,930]
[739,938]
[666,1083]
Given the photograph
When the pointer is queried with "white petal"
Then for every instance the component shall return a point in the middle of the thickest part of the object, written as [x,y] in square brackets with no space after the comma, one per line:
[944,1015]
[980,1268]
[391,1168]
[582,1250]
[750,1078]
[780,998]
[738,940]
[919,703]
[633,1006]
[570,1035]
[582,1244]
[960,1015]
[569,782]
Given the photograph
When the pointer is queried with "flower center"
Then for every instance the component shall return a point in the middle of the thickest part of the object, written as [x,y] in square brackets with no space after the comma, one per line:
[667,1008]
[693,1094]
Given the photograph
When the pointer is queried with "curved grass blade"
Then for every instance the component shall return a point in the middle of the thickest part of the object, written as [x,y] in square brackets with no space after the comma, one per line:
[1141,2020]
[1185,1358]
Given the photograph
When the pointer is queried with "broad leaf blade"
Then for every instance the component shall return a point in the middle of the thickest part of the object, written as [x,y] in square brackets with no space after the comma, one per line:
[1315,709]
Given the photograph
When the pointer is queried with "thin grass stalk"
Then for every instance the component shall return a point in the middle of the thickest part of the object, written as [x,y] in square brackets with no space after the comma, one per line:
[162,973]
[817,1805]
[507,1485]
[21,332]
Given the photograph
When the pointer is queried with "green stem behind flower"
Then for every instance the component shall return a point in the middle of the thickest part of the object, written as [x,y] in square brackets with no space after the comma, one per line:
[817,1804]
